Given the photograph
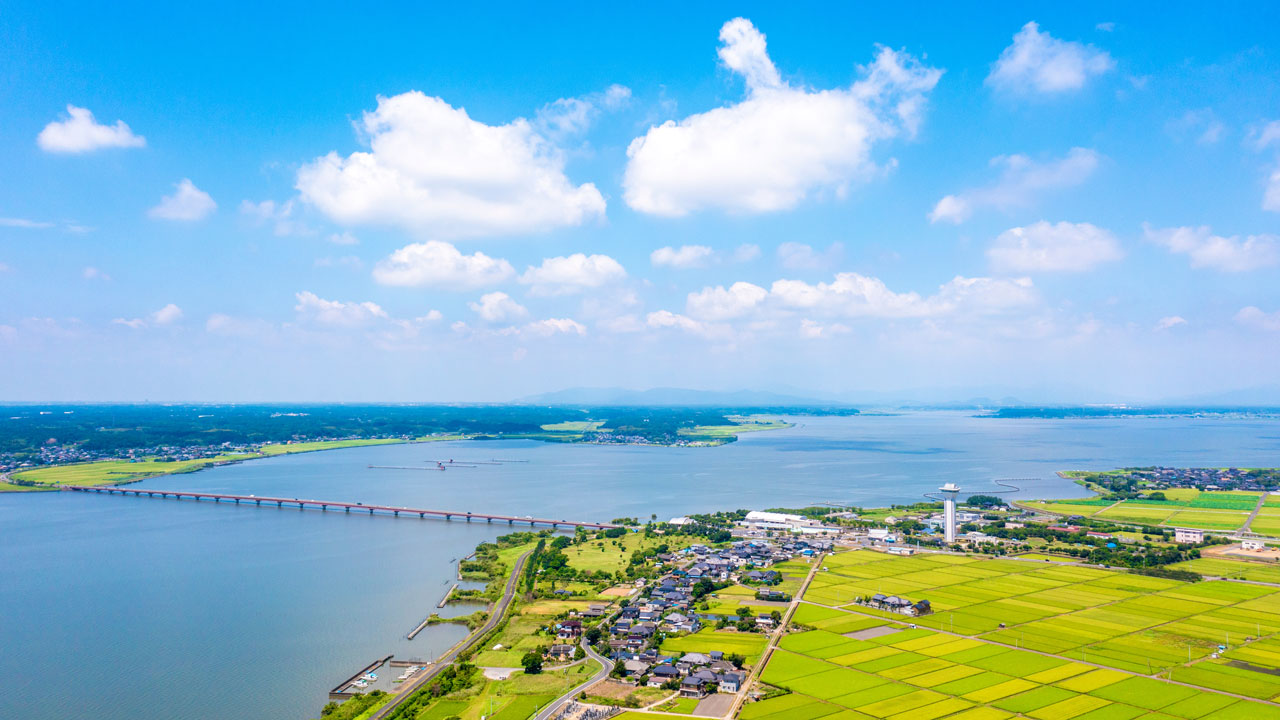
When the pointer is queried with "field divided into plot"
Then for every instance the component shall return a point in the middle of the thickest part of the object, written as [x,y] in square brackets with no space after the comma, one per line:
[1239,569]
[1062,623]
[1183,507]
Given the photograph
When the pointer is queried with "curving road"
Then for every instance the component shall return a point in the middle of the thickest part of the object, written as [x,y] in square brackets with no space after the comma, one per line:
[495,616]
[605,667]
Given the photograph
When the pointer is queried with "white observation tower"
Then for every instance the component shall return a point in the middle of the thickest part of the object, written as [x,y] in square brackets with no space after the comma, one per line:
[949,492]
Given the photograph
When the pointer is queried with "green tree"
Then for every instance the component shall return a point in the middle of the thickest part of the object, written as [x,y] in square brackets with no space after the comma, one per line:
[532,662]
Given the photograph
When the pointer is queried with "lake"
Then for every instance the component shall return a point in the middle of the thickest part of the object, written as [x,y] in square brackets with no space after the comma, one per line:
[132,608]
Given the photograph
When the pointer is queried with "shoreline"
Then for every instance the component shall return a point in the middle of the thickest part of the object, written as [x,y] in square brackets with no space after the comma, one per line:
[11,484]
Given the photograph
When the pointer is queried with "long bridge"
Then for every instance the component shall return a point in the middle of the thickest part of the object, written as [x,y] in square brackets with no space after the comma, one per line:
[325,505]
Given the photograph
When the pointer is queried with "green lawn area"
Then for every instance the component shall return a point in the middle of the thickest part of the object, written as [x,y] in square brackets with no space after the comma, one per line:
[515,698]
[750,645]
[613,554]
[682,705]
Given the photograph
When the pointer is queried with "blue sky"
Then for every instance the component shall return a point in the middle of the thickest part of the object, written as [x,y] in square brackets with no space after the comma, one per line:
[414,204]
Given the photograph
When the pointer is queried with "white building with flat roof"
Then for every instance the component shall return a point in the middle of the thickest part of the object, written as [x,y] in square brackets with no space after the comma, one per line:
[1188,535]
[761,520]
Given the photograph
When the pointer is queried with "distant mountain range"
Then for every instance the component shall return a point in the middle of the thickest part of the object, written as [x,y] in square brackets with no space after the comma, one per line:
[985,398]
[674,397]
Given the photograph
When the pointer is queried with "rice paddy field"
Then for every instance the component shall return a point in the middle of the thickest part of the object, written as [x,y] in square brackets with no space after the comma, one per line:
[1220,511]
[1024,638]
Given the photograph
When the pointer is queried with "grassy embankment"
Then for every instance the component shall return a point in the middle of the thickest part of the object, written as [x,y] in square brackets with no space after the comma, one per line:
[1103,644]
[739,424]
[116,472]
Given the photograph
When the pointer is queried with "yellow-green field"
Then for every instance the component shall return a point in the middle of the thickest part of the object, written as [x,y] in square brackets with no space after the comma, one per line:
[1031,639]
[1076,643]
[1221,511]
[106,472]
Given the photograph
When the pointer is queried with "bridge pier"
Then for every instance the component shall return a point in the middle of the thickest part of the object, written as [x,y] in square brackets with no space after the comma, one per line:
[324,506]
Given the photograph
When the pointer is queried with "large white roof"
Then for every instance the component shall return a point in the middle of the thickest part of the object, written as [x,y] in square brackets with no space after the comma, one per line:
[762,516]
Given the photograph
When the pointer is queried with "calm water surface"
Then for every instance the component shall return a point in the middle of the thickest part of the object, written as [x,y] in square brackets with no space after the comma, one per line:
[118,608]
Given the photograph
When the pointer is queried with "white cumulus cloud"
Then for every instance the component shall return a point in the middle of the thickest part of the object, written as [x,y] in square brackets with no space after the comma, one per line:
[719,303]
[1263,137]
[555,326]
[189,203]
[571,274]
[313,308]
[855,295]
[668,319]
[279,215]
[80,133]
[682,258]
[1170,322]
[438,264]
[1038,62]
[167,315]
[798,256]
[746,252]
[1271,196]
[781,143]
[1021,181]
[497,307]
[1048,247]
[1227,254]
[431,168]
[1256,317]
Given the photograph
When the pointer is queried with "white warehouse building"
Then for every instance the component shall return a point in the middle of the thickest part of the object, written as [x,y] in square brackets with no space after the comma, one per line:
[761,520]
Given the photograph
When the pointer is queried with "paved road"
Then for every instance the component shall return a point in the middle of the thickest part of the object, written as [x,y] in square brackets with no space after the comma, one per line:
[774,637]
[495,616]
[605,667]
[1254,515]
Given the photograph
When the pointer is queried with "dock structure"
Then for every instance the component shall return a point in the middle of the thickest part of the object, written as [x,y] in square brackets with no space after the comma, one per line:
[347,507]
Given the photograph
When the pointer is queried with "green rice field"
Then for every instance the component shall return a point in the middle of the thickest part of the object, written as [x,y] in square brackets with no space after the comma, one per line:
[1076,643]
[1222,511]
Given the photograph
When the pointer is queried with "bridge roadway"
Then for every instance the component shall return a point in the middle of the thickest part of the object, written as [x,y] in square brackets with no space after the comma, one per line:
[327,504]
